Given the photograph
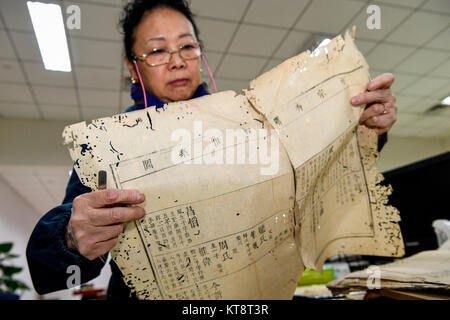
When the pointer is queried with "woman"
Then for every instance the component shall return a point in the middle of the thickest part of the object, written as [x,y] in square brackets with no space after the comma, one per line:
[163,54]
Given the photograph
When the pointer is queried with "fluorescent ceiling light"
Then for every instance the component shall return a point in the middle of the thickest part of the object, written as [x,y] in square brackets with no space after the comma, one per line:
[446,101]
[48,26]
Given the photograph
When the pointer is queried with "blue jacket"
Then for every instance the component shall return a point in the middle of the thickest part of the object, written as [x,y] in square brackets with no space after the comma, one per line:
[47,252]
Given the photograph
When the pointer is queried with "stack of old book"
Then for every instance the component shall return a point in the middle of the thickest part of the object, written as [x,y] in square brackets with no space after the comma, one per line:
[423,276]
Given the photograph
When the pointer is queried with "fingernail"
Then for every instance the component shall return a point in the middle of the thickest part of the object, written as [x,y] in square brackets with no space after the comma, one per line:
[141,197]
[355,100]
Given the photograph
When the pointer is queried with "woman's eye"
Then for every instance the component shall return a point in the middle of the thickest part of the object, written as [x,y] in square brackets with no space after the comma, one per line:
[157,51]
[187,47]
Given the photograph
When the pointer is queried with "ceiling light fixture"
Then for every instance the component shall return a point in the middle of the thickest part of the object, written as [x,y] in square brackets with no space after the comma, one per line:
[316,41]
[446,101]
[50,33]
[324,42]
[444,104]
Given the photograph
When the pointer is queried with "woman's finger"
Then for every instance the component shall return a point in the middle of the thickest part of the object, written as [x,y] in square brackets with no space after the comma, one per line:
[103,198]
[369,97]
[101,234]
[383,81]
[372,111]
[114,215]
[100,248]
[380,121]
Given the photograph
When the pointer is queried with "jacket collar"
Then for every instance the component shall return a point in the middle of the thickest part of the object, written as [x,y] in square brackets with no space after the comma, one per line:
[138,97]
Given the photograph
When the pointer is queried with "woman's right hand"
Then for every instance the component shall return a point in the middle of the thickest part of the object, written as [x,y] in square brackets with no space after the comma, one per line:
[97,220]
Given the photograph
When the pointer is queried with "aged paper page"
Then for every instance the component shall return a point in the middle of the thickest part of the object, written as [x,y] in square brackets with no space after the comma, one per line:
[214,228]
[244,191]
[339,208]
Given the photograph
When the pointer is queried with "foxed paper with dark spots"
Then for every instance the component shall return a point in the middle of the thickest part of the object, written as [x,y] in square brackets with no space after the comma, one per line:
[209,226]
[224,222]
[340,206]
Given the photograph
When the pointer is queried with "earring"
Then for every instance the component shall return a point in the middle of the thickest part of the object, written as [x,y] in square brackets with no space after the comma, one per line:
[133,80]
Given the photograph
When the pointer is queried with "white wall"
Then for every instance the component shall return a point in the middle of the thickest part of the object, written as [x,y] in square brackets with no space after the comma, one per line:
[17,220]
[446,144]
[400,151]
[31,143]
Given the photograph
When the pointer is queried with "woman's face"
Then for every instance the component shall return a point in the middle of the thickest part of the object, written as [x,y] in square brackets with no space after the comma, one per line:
[167,29]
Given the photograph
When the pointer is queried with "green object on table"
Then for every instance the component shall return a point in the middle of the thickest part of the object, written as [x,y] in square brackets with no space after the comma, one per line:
[310,276]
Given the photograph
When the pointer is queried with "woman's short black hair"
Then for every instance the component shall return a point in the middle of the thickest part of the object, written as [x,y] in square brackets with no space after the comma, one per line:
[133,12]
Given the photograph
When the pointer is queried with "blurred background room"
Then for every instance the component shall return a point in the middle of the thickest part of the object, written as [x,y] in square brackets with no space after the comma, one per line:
[36,104]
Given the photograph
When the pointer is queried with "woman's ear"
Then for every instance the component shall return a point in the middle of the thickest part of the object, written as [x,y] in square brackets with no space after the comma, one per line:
[131,69]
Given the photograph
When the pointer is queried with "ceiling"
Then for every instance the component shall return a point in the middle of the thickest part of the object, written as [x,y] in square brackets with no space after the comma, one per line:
[243,38]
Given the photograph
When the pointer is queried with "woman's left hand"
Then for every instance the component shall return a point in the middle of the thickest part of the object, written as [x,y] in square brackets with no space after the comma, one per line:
[381,110]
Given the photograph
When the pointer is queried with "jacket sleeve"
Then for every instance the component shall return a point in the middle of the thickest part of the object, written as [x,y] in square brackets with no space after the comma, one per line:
[382,139]
[47,252]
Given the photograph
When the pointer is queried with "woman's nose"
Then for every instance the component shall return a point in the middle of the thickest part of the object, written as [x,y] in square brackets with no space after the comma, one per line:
[175,60]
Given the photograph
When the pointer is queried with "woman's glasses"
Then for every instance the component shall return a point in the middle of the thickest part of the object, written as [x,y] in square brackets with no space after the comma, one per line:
[158,57]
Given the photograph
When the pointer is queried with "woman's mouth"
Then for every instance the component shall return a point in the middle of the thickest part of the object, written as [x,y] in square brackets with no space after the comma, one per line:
[179,82]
